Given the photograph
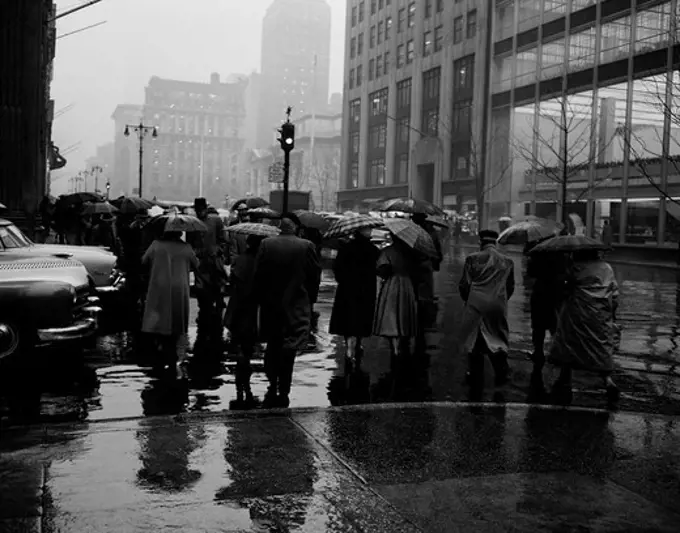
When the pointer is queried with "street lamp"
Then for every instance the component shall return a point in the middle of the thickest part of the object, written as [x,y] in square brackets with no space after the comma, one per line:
[95,171]
[142,131]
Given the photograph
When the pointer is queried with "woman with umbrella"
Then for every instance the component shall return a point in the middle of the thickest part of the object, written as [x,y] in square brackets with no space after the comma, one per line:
[586,333]
[166,311]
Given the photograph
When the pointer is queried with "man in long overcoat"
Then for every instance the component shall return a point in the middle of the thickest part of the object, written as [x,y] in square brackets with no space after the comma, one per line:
[487,284]
[287,282]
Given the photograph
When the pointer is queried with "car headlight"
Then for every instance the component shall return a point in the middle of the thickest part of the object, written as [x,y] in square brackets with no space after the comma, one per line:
[74,295]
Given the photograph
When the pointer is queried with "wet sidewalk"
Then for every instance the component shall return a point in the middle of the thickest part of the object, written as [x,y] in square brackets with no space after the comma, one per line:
[391,468]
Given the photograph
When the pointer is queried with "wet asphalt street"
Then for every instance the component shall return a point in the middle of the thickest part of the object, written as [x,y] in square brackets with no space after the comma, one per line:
[649,361]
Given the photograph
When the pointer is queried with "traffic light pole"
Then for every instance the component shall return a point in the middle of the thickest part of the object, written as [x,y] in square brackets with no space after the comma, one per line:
[286,179]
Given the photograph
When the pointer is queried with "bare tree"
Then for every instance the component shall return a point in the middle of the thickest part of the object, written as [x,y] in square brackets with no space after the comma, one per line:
[562,147]
[322,176]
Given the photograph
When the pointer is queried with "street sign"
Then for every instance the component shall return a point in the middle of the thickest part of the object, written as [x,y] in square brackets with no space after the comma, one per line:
[276,172]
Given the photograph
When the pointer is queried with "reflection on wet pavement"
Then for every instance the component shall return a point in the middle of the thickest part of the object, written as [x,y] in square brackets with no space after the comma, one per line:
[649,315]
[380,469]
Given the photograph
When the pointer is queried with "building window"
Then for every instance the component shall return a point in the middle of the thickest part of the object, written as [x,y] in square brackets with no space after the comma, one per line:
[457,30]
[354,143]
[440,6]
[371,69]
[428,45]
[462,118]
[386,63]
[402,168]
[438,38]
[354,175]
[401,20]
[471,24]
[354,16]
[404,94]
[360,75]
[411,14]
[403,130]
[351,78]
[430,125]
[388,27]
[378,100]
[381,3]
[428,9]
[463,71]
[378,136]
[431,81]
[460,154]
[372,37]
[381,29]
[410,51]
[360,44]
[353,48]
[401,55]
[362,6]
[378,66]
[376,172]
[374,6]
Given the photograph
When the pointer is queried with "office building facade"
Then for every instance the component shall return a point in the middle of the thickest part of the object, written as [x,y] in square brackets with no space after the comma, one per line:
[575,100]
[295,65]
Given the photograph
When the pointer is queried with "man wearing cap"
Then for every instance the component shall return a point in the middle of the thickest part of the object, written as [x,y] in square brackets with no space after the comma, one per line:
[286,283]
[487,284]
[209,247]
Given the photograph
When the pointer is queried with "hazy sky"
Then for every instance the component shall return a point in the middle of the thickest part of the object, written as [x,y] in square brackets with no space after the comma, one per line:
[182,39]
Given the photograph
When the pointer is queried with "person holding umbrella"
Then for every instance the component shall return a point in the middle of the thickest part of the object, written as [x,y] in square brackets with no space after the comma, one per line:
[587,334]
[166,310]
[487,284]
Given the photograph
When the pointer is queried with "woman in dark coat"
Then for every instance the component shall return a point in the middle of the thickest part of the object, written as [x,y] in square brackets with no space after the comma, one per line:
[355,272]
[241,315]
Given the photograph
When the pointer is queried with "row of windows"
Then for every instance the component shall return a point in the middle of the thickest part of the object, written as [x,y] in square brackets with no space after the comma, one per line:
[358,11]
[378,34]
[377,171]
[462,30]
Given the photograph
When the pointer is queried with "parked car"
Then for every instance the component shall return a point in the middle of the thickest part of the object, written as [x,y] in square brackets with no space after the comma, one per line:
[44,301]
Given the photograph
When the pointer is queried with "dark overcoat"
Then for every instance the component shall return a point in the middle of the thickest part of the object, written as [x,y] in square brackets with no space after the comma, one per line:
[355,273]
[287,276]
[241,315]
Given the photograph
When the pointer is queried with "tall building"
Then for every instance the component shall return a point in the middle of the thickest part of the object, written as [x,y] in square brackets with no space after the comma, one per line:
[295,66]
[516,107]
[27,34]
[200,140]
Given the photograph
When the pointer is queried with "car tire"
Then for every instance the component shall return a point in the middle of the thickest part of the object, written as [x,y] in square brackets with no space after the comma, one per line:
[11,338]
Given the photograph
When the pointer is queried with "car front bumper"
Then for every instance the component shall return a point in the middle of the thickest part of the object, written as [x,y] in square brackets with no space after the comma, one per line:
[84,327]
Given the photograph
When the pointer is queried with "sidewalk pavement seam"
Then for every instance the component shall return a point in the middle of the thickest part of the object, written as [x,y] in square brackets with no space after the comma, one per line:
[355,474]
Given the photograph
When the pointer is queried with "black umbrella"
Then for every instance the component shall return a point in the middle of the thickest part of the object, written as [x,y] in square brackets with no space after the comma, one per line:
[250,203]
[78,198]
[411,205]
[132,205]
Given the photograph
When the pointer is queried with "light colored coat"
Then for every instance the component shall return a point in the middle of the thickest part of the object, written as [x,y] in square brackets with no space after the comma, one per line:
[167,300]
[486,286]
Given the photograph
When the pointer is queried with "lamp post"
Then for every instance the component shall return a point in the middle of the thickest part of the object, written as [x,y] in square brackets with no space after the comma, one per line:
[108,188]
[95,171]
[142,131]
[287,141]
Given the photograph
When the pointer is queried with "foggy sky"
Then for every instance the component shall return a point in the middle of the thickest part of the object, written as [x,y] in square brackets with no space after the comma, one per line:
[180,39]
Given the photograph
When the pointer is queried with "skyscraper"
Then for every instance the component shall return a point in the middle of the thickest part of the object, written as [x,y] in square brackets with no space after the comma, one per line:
[295,63]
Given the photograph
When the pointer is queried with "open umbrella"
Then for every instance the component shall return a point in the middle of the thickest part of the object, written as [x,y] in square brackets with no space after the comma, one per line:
[78,198]
[132,205]
[250,203]
[436,221]
[412,234]
[569,243]
[348,225]
[411,205]
[263,212]
[3,206]
[313,220]
[176,222]
[99,208]
[254,228]
[529,231]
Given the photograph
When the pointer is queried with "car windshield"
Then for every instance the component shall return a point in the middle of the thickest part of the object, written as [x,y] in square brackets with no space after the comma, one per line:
[12,237]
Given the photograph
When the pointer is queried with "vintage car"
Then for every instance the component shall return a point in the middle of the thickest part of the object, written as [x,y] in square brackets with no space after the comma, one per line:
[44,301]
[99,262]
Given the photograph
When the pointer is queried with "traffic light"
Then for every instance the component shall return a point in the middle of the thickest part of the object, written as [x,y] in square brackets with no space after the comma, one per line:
[287,138]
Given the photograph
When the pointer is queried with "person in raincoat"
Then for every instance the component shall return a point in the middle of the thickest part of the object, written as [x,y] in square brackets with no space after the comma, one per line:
[166,311]
[287,282]
[586,330]
[355,272]
[241,316]
[396,310]
[487,284]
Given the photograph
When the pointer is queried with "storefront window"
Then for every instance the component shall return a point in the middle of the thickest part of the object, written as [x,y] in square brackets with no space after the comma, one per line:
[502,79]
[582,50]
[615,43]
[642,221]
[652,27]
[529,14]
[552,58]
[554,9]
[526,67]
[505,17]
